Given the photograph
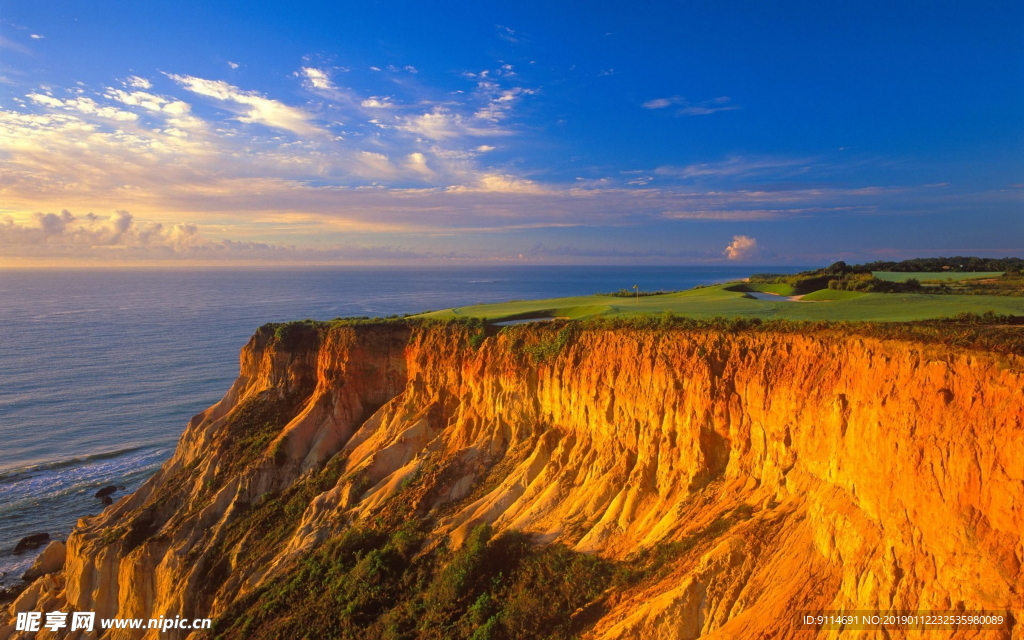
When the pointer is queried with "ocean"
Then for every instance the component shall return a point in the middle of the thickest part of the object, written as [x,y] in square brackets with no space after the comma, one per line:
[100,370]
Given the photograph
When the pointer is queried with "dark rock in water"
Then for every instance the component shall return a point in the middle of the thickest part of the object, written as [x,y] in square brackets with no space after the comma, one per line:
[106,491]
[33,541]
[107,500]
[8,594]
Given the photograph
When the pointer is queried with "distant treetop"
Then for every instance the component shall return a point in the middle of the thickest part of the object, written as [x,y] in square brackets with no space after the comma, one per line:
[958,264]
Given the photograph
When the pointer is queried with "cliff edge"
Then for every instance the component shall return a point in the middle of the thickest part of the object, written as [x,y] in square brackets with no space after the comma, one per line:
[403,480]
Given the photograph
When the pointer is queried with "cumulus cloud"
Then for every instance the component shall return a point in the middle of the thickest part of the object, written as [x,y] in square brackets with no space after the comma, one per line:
[741,248]
[233,65]
[254,108]
[118,229]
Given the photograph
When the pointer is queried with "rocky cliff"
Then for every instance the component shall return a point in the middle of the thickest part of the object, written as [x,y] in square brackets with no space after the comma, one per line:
[398,480]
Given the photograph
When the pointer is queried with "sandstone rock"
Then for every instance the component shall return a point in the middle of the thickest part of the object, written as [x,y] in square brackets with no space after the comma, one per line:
[49,561]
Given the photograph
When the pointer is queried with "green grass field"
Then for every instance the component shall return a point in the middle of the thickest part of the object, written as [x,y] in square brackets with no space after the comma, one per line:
[719,300]
[832,294]
[903,276]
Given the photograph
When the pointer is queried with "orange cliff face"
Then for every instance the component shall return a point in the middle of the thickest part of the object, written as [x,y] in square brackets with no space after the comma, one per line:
[816,470]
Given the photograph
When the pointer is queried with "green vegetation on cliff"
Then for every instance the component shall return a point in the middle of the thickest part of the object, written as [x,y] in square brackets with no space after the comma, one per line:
[376,583]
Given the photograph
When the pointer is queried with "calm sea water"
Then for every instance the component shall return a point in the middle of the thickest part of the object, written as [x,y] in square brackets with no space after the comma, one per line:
[101,369]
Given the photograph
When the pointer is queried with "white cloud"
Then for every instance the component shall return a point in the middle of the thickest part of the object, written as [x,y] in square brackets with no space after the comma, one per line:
[255,108]
[375,102]
[741,248]
[484,148]
[36,36]
[233,65]
[138,83]
[317,78]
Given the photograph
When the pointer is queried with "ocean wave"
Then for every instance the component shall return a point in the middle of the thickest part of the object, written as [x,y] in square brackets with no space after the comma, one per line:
[16,474]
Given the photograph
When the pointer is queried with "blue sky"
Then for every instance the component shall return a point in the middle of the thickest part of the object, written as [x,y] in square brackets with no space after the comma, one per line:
[643,132]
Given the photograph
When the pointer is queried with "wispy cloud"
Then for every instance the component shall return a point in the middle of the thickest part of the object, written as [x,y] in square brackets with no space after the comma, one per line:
[7,43]
[506,34]
[738,166]
[707,107]
[253,107]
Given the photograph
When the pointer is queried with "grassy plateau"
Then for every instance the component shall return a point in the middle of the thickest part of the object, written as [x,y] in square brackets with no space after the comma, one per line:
[734,300]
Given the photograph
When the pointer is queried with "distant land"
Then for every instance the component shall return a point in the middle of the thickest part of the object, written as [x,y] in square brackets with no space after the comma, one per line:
[918,289]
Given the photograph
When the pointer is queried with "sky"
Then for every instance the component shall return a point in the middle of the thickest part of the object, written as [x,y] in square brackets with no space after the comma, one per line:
[639,132]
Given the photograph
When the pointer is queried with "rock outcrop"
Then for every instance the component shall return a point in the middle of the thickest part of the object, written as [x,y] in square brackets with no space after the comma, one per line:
[774,470]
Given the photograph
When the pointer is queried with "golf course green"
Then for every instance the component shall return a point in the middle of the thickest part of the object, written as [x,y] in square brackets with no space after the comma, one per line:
[722,300]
